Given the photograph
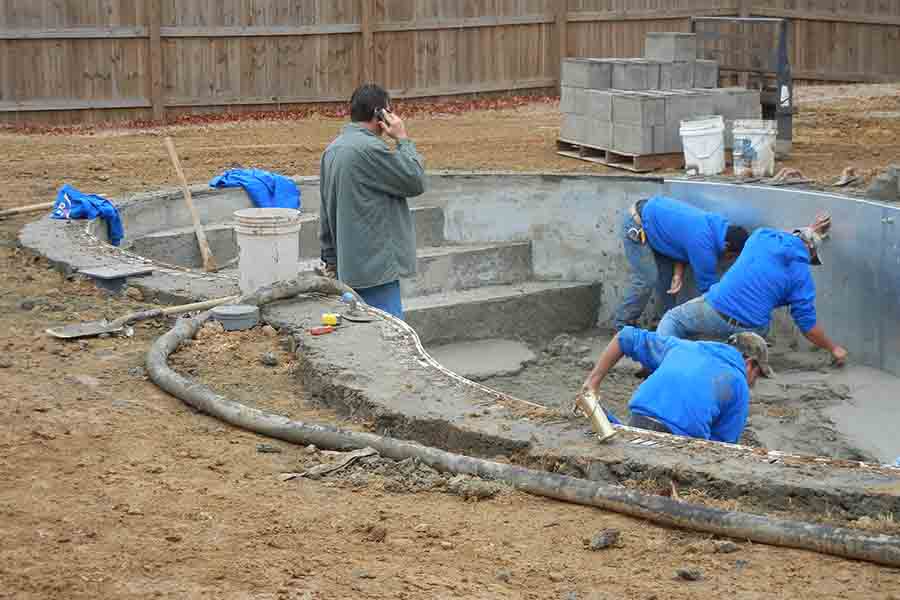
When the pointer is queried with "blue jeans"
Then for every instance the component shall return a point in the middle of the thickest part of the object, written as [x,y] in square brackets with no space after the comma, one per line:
[649,271]
[698,319]
[386,297]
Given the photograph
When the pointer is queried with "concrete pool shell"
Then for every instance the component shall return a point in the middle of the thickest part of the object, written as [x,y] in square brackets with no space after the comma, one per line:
[528,257]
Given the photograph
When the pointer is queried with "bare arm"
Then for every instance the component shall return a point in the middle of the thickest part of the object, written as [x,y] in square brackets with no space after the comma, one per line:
[677,279]
[608,359]
[817,336]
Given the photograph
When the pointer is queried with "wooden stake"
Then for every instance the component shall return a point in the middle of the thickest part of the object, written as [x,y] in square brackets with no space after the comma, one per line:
[209,262]
[21,210]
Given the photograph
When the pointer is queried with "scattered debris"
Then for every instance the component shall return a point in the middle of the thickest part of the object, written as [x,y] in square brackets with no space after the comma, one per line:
[139,372]
[210,329]
[726,547]
[689,574]
[268,449]
[5,362]
[848,176]
[269,359]
[374,533]
[134,293]
[886,186]
[556,577]
[604,539]
[28,304]
[361,574]
[504,575]
[324,469]
[472,488]
[86,380]
[269,331]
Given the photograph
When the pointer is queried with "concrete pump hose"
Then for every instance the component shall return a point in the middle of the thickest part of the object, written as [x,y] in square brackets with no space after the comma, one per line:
[837,541]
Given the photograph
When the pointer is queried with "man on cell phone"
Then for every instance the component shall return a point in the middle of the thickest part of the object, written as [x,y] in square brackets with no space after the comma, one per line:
[366,230]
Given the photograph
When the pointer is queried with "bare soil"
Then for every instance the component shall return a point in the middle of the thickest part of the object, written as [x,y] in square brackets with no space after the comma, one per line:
[110,488]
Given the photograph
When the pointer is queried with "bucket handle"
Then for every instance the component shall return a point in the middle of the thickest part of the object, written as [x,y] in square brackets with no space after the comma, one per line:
[713,151]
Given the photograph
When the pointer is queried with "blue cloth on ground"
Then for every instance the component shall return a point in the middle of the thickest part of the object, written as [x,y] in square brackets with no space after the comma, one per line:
[698,389]
[686,234]
[772,271]
[72,204]
[266,190]
[386,297]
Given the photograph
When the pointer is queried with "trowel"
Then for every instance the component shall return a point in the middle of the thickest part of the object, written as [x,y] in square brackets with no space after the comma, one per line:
[117,326]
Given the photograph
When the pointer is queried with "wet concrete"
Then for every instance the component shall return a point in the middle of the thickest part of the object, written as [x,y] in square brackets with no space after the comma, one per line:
[483,359]
[372,372]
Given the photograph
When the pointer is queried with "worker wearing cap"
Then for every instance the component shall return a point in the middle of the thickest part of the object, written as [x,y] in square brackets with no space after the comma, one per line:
[697,389]
[660,236]
[772,271]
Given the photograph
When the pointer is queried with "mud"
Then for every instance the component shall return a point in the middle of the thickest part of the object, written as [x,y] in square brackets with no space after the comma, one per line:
[811,408]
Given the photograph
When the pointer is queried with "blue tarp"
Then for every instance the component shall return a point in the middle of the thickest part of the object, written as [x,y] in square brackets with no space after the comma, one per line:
[266,190]
[72,204]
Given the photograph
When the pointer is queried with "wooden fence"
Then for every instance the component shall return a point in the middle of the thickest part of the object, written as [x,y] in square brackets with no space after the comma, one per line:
[76,61]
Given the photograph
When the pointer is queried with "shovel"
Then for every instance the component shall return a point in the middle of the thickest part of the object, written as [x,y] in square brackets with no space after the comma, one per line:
[95,328]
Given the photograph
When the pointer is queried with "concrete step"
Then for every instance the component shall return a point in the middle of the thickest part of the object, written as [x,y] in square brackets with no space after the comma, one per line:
[429,230]
[447,268]
[454,268]
[530,310]
[178,246]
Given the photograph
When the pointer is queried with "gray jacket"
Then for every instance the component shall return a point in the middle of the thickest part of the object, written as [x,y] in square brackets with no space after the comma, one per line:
[366,228]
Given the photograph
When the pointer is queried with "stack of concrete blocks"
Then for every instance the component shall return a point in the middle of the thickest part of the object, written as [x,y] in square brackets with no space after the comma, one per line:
[635,106]
[579,76]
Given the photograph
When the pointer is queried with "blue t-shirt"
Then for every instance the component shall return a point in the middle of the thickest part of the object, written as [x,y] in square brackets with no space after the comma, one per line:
[686,234]
[772,271]
[698,389]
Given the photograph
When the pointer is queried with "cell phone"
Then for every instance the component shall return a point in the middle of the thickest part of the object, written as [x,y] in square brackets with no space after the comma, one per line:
[379,114]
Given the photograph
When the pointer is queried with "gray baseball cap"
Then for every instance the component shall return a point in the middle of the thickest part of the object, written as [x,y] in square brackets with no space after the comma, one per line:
[754,347]
[812,241]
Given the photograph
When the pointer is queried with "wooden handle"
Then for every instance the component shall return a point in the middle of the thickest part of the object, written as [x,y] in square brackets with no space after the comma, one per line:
[183,308]
[209,262]
[21,210]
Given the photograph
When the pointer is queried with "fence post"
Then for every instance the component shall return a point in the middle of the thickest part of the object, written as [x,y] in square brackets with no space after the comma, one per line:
[744,11]
[157,101]
[368,40]
[562,36]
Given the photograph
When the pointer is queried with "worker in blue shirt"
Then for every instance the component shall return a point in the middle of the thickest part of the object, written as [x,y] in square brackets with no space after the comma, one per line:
[660,236]
[772,271]
[697,389]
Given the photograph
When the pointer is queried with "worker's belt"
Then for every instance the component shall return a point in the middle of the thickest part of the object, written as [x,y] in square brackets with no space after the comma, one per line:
[648,423]
[733,322]
[637,234]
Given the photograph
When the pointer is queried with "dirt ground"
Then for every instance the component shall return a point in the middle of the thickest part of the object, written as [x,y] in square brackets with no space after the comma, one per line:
[110,488]
[837,127]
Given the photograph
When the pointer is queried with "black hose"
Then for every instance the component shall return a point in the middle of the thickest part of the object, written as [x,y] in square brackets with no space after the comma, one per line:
[837,541]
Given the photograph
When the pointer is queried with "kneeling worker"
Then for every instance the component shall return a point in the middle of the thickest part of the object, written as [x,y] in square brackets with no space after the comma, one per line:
[660,235]
[697,389]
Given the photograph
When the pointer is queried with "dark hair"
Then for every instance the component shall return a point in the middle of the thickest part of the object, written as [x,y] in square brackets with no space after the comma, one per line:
[366,100]
[736,237]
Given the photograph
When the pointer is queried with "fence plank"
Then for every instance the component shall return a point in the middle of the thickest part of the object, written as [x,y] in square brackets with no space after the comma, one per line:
[154,17]
[367,9]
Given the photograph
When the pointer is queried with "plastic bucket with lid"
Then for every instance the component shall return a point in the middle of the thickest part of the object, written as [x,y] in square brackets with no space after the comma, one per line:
[754,148]
[704,144]
[269,246]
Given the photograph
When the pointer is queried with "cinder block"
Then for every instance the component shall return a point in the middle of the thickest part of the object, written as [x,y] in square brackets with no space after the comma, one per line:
[687,104]
[632,139]
[599,134]
[573,101]
[589,73]
[635,74]
[706,74]
[599,104]
[639,108]
[670,46]
[667,139]
[573,128]
[676,75]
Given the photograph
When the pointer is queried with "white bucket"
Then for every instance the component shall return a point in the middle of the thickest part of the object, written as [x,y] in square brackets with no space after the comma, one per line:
[754,148]
[269,245]
[704,145]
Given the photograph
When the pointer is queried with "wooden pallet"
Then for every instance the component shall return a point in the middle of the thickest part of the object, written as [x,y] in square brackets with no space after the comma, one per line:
[635,163]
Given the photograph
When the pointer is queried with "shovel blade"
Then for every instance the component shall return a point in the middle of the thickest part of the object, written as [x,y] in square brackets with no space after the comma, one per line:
[87,329]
